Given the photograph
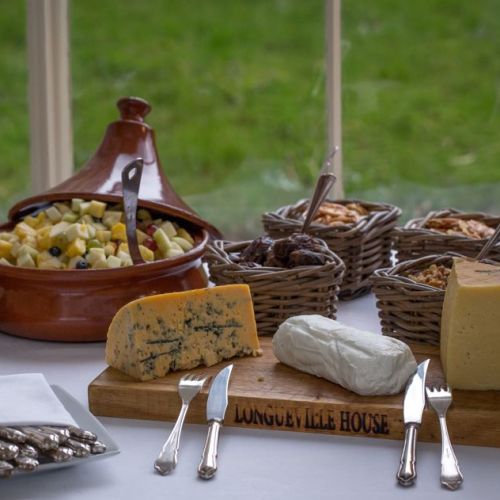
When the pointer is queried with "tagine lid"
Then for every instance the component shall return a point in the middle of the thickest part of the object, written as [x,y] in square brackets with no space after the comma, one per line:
[125,140]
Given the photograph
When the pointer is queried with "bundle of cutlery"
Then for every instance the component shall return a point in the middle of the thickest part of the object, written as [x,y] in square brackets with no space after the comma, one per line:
[414,404]
[189,387]
[24,448]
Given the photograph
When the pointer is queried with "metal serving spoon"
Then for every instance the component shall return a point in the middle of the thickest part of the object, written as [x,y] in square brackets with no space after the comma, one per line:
[131,181]
[324,183]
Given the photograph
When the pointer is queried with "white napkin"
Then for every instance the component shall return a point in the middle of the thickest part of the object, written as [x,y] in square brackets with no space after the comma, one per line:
[27,399]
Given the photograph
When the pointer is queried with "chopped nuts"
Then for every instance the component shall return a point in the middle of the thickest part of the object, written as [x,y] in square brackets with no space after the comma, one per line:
[335,214]
[435,275]
[461,227]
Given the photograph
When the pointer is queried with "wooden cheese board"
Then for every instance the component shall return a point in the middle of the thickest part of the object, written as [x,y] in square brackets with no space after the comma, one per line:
[266,394]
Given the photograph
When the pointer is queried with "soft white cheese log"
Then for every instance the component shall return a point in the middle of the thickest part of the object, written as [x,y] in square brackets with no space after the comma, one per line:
[363,362]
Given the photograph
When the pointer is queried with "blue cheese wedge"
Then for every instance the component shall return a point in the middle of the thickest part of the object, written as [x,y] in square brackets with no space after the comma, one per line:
[155,335]
[362,362]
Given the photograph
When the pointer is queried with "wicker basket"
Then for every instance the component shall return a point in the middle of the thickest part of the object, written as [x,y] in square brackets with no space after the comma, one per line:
[408,310]
[413,241]
[279,293]
[364,246]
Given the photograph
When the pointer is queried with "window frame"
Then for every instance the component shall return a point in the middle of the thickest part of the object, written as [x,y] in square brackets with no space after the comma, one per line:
[51,126]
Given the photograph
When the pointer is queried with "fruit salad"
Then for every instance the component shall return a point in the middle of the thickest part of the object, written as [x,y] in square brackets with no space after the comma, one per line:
[80,234]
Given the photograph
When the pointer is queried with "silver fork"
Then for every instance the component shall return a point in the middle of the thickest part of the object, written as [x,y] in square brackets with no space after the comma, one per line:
[189,387]
[440,400]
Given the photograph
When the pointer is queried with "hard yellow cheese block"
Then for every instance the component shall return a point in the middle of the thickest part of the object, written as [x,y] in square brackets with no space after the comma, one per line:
[154,335]
[470,327]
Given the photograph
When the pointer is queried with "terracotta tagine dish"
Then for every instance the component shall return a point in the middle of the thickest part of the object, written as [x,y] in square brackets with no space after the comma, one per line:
[77,304]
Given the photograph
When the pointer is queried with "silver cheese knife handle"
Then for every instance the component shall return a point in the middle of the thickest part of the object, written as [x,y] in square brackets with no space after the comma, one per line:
[167,459]
[451,476]
[208,464]
[407,472]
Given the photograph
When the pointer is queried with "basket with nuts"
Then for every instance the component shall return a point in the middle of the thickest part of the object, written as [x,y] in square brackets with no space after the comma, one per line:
[359,232]
[410,297]
[444,231]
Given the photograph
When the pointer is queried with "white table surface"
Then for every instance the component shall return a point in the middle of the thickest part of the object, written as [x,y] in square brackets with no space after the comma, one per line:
[253,464]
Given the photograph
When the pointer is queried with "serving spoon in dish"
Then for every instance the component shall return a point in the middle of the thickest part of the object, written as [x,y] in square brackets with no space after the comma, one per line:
[131,182]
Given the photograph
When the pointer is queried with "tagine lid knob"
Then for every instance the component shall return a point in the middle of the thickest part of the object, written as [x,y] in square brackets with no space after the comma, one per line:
[133,108]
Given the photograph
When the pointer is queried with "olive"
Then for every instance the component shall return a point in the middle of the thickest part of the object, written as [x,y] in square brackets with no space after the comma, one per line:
[82,264]
[55,251]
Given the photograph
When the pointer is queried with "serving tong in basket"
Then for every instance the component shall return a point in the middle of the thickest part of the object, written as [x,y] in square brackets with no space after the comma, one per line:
[323,185]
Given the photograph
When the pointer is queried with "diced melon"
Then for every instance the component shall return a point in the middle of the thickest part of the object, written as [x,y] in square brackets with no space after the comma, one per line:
[123,247]
[76,247]
[94,244]
[70,217]
[168,229]
[184,234]
[41,220]
[27,249]
[96,255]
[147,254]
[53,214]
[111,217]
[143,214]
[62,207]
[97,208]
[31,221]
[75,204]
[175,246]
[172,252]
[86,219]
[162,240]
[5,248]
[25,260]
[77,230]
[46,261]
[84,207]
[125,258]
[16,246]
[141,236]
[113,262]
[22,230]
[5,236]
[59,228]
[44,241]
[103,236]
[109,248]
[184,244]
[119,232]
[30,241]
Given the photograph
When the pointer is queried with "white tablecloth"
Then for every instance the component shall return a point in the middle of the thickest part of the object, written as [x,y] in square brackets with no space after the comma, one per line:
[252,464]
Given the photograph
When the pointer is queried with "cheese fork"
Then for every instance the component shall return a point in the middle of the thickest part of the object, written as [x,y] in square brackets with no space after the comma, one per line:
[440,400]
[189,386]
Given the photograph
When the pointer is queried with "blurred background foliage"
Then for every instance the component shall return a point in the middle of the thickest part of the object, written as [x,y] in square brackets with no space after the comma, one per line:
[238,96]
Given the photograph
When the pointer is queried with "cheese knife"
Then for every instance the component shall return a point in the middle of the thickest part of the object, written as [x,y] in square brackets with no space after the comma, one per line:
[414,404]
[216,409]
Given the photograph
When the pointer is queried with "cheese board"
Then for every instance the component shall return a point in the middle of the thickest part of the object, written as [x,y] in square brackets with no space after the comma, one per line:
[267,394]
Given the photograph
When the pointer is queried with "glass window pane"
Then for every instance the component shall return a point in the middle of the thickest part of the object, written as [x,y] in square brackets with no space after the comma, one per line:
[237,90]
[421,99]
[14,121]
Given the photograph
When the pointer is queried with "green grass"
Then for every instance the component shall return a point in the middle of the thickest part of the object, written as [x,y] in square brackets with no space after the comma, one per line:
[238,95]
